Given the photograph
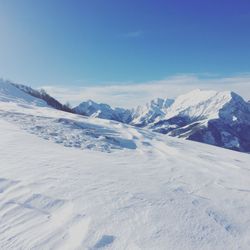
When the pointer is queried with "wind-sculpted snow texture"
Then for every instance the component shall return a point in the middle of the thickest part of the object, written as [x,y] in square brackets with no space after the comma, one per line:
[132,189]
[73,131]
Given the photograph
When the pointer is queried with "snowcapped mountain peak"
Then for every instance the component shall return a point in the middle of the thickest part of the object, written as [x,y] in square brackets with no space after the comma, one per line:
[196,104]
[104,111]
[159,103]
[218,118]
[156,102]
[148,113]
[92,104]
[236,97]
[236,110]
[91,108]
[200,103]
[89,102]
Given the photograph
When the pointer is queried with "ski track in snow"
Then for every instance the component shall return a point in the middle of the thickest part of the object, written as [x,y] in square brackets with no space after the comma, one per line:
[149,192]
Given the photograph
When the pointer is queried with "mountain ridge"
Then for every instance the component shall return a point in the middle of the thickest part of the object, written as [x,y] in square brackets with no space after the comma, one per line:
[104,111]
[218,118]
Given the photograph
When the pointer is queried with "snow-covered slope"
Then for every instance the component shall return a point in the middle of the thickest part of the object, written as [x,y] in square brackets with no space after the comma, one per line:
[149,192]
[10,93]
[41,94]
[21,93]
[103,111]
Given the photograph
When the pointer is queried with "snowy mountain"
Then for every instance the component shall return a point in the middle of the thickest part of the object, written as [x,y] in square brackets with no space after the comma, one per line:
[12,94]
[103,111]
[217,118]
[74,182]
[41,94]
[144,115]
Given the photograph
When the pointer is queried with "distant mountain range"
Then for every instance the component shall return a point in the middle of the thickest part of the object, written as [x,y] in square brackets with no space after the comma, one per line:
[217,118]
[104,111]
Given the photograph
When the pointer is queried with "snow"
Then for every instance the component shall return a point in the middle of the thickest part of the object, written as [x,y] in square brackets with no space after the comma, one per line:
[199,103]
[144,115]
[9,93]
[162,193]
[104,111]
[234,118]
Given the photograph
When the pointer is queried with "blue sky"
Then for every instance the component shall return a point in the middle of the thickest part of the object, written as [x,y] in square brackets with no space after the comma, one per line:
[92,42]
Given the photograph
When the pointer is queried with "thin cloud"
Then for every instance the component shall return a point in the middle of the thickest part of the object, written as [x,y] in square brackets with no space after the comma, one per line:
[133,94]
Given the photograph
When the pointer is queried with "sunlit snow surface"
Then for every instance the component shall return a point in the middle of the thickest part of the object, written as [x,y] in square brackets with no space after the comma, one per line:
[70,182]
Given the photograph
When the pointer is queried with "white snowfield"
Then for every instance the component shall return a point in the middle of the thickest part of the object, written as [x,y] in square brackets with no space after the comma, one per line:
[70,182]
